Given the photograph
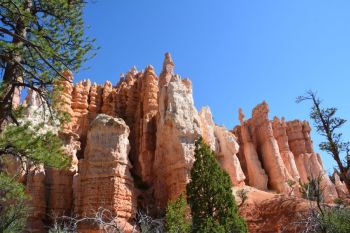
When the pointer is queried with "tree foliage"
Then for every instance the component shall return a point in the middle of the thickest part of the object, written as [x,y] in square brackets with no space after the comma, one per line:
[209,225]
[312,190]
[209,194]
[38,40]
[336,220]
[29,146]
[13,211]
[327,124]
[26,143]
[176,220]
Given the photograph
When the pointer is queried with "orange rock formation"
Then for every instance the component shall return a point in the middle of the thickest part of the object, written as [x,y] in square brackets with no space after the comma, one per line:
[134,143]
[177,129]
[283,150]
[104,179]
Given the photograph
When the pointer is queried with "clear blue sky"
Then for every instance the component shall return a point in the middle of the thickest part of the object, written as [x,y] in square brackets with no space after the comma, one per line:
[237,53]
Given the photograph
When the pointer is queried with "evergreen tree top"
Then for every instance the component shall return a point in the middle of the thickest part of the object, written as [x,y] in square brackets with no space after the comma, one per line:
[210,195]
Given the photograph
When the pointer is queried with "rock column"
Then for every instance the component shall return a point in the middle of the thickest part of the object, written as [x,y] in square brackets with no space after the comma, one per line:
[256,174]
[104,179]
[177,129]
[269,150]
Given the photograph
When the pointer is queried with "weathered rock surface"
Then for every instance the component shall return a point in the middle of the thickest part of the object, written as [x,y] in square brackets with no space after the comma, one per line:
[50,189]
[297,142]
[14,167]
[280,133]
[269,151]
[132,146]
[340,186]
[308,163]
[255,172]
[224,144]
[80,118]
[208,127]
[35,187]
[283,150]
[63,89]
[226,151]
[59,183]
[95,101]
[177,129]
[137,104]
[107,99]
[146,127]
[104,173]
[267,212]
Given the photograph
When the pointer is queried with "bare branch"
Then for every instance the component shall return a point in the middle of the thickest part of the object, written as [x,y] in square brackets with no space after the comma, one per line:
[102,217]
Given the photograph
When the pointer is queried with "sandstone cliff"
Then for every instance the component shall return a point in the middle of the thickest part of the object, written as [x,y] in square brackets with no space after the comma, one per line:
[132,148]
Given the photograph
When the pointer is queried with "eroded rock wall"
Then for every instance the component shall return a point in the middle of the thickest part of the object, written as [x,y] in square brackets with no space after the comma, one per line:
[280,133]
[309,163]
[255,172]
[224,144]
[104,174]
[177,129]
[340,186]
[267,145]
[59,183]
[134,143]
[35,187]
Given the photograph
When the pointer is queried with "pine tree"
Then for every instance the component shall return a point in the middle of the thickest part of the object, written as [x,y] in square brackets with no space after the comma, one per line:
[209,194]
[327,125]
[38,40]
[176,220]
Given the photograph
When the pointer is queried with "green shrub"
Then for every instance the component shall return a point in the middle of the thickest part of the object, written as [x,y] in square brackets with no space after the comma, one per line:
[13,211]
[176,220]
[336,220]
[209,225]
[312,189]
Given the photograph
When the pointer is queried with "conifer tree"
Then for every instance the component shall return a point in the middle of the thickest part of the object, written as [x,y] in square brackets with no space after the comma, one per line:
[209,194]
[327,125]
[176,220]
[38,40]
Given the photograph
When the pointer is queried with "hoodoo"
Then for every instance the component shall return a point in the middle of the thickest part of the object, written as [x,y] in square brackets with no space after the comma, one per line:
[132,147]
